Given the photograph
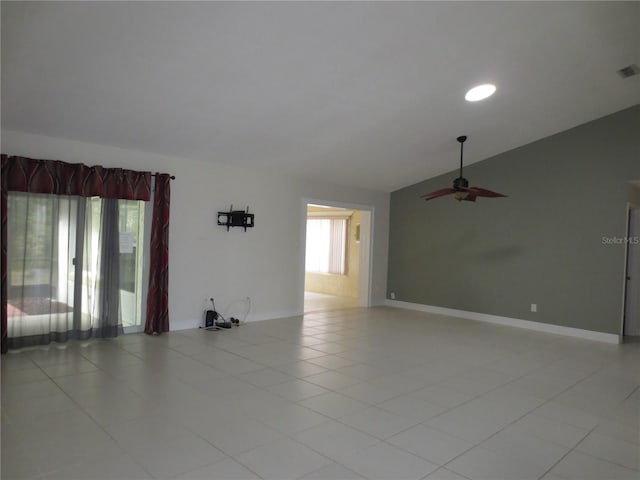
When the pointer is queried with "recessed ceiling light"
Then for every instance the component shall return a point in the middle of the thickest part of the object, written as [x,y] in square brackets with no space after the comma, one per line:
[480,92]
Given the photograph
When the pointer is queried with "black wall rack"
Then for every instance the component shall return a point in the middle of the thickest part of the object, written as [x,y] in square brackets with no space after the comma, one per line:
[236,218]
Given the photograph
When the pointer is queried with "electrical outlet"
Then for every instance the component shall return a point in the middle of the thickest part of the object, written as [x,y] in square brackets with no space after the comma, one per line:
[534,307]
[393,295]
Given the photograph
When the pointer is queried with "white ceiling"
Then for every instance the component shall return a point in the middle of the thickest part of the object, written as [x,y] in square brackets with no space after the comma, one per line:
[354,93]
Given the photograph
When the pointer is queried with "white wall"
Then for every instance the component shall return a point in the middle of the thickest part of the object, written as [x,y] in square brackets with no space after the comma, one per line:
[265,263]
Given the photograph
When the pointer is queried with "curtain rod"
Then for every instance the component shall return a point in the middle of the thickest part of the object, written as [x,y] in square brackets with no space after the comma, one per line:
[172,177]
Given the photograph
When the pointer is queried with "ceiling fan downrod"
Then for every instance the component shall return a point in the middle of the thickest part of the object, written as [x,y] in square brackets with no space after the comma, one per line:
[461,139]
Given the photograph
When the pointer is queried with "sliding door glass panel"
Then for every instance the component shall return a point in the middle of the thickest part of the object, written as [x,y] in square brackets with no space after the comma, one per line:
[129,258]
[131,230]
[40,272]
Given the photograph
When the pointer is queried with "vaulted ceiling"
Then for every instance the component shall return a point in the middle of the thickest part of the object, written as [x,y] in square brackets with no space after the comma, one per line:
[366,94]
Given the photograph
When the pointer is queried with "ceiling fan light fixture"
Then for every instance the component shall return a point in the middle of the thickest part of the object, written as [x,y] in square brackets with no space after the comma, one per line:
[480,92]
[460,195]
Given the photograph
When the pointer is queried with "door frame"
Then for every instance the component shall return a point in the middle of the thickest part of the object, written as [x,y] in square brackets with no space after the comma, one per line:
[366,247]
[625,283]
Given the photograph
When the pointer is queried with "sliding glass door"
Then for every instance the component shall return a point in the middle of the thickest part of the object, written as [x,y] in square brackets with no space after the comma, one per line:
[74,267]
[132,272]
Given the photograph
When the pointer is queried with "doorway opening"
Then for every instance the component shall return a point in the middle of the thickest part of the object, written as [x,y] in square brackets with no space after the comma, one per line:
[337,251]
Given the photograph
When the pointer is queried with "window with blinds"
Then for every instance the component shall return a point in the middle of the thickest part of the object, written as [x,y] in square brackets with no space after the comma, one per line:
[326,245]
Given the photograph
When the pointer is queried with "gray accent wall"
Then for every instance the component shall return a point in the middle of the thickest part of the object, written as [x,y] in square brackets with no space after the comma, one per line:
[544,244]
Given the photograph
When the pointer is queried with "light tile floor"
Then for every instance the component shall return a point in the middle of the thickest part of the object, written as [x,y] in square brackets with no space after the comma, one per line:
[320,302]
[359,393]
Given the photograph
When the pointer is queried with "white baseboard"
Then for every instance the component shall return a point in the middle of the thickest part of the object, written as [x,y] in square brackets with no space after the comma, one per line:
[511,322]
[175,325]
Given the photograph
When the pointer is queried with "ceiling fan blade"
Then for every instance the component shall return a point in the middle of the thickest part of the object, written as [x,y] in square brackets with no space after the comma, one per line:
[483,192]
[438,193]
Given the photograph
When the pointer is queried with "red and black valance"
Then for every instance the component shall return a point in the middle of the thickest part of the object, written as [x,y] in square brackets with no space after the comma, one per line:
[21,174]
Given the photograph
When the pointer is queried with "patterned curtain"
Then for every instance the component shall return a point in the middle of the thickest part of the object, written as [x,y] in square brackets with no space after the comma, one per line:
[158,295]
[23,174]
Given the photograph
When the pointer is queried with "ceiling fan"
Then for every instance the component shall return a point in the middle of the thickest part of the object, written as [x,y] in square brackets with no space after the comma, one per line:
[461,189]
